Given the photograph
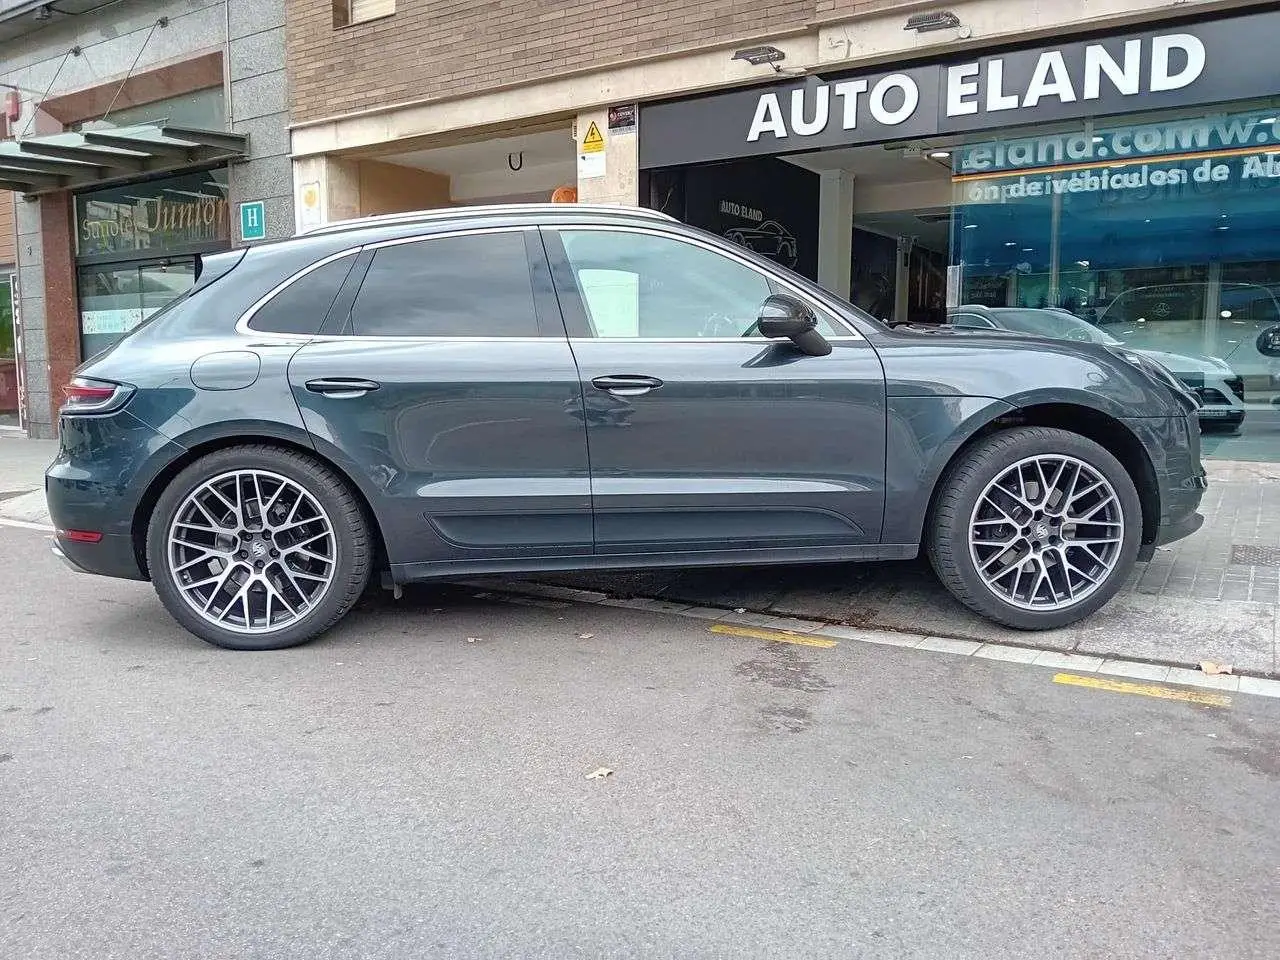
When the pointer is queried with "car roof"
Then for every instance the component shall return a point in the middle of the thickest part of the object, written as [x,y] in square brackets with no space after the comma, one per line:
[514,212]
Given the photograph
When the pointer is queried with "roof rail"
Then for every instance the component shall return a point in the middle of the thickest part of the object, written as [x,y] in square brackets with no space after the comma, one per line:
[479,210]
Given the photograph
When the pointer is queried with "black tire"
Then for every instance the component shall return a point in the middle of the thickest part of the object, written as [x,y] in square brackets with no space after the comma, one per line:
[958,494]
[354,550]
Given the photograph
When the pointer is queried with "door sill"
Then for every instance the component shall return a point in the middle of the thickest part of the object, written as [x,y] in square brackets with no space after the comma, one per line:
[445,569]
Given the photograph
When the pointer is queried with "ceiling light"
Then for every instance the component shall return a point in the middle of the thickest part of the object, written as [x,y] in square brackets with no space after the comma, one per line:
[1224,227]
[1011,243]
[940,154]
[1267,120]
[1099,139]
[1028,249]
[758,56]
[971,226]
[936,20]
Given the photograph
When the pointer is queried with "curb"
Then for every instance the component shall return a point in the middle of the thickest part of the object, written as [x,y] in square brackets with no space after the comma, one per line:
[1174,673]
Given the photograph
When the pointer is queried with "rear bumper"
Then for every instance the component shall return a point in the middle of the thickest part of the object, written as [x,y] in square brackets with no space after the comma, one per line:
[104,466]
[112,556]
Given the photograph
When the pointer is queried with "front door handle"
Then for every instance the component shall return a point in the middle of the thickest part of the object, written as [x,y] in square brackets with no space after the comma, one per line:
[342,388]
[626,385]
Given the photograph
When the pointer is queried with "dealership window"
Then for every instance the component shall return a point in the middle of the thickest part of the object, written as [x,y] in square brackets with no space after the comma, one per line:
[136,249]
[1162,232]
[348,12]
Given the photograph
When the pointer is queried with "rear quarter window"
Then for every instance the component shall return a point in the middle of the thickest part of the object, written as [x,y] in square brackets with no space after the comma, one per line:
[302,306]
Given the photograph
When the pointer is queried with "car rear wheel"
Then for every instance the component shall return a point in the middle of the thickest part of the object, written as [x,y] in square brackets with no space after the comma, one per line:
[258,548]
[1036,528]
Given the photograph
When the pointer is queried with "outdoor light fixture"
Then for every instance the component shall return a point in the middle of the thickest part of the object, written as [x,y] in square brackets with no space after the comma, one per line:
[937,20]
[759,56]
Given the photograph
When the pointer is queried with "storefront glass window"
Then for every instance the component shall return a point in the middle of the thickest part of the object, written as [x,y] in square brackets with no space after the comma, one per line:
[136,249]
[1160,234]
[114,300]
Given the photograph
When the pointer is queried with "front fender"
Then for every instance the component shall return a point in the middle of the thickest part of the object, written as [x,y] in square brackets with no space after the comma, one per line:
[924,433]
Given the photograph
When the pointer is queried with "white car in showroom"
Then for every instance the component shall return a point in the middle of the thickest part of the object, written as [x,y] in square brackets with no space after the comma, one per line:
[1212,379]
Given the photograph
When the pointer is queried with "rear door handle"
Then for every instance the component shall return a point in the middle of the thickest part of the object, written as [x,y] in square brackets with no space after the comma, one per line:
[626,385]
[342,388]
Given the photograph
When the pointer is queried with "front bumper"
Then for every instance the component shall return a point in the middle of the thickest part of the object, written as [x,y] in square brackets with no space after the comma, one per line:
[1173,447]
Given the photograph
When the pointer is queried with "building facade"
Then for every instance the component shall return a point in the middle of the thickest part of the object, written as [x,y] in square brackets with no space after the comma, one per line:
[140,134]
[1101,169]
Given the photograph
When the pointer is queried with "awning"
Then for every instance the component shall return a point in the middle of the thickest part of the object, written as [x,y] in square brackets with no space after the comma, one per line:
[60,161]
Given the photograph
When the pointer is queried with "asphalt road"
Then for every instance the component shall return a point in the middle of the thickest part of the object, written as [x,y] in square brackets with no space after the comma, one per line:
[415,786]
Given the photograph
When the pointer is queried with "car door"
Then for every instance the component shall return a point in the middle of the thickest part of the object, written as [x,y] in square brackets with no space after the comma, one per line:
[450,390]
[703,436]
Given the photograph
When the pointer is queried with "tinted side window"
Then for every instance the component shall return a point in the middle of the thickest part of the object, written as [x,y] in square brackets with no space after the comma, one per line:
[637,285]
[302,306]
[470,286]
[970,320]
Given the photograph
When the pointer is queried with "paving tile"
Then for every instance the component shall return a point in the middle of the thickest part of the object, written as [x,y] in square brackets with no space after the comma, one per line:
[1068,661]
[1135,671]
[883,637]
[998,651]
[704,613]
[794,624]
[656,606]
[964,648]
[1260,688]
[1194,678]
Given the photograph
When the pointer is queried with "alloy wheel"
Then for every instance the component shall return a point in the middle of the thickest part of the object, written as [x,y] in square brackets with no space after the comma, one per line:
[1046,532]
[252,551]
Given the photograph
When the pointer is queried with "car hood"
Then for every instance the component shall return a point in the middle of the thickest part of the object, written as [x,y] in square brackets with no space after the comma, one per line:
[1188,363]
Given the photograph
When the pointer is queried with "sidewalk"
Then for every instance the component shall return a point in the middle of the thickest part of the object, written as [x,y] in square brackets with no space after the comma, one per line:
[22,465]
[1214,596]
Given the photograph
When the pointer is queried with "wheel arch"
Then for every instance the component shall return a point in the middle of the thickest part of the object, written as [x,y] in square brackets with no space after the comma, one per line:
[1103,429]
[210,444]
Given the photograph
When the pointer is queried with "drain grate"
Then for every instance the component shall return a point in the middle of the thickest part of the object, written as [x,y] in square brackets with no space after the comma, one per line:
[1250,555]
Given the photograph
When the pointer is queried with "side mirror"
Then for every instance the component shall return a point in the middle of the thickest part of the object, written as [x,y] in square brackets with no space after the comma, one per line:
[1269,341]
[784,317]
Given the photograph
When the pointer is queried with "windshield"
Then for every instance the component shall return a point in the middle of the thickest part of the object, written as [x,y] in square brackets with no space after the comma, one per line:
[1047,323]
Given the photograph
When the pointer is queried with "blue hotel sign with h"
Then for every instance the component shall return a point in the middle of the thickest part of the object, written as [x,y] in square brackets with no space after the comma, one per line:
[253,221]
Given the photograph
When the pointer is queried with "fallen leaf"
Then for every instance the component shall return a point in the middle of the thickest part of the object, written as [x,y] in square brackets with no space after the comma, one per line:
[473,639]
[586,636]
[1212,668]
[739,609]
[599,773]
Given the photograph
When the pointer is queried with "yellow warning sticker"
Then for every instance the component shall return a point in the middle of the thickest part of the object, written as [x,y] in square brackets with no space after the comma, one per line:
[593,142]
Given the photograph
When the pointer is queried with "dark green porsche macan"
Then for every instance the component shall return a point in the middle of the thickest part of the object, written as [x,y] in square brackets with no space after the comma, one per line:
[562,387]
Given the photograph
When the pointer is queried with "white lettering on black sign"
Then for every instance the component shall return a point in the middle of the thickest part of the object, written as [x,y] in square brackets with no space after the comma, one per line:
[1172,62]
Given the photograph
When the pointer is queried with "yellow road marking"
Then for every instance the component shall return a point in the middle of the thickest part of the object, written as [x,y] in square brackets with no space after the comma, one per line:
[777,636]
[1202,697]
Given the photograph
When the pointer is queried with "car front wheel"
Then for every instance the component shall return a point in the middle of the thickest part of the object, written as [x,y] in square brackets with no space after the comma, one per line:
[258,548]
[1036,528]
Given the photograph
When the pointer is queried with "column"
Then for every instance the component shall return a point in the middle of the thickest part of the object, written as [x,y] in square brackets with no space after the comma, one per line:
[835,231]
[326,189]
[608,173]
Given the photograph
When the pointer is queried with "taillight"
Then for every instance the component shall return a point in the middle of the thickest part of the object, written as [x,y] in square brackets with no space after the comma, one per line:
[94,396]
